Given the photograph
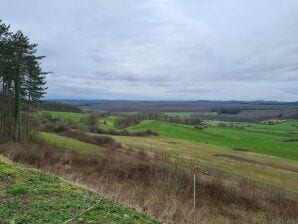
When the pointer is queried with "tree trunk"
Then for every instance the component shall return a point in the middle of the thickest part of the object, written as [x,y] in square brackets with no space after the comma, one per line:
[28,116]
[16,110]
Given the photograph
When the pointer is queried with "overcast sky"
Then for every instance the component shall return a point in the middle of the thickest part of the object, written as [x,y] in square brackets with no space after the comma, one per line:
[163,49]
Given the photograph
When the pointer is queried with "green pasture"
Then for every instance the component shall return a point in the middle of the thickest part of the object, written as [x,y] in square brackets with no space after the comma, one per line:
[266,139]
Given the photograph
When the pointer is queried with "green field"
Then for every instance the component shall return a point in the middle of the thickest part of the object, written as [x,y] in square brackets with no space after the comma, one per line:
[266,139]
[71,116]
[267,157]
[31,196]
[69,143]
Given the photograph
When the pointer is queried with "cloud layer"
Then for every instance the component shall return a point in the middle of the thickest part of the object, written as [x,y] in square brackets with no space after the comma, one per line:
[164,49]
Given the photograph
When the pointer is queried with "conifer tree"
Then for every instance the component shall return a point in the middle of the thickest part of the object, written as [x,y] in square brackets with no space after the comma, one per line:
[22,80]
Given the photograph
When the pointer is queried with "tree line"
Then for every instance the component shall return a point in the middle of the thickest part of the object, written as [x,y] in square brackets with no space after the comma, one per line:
[136,118]
[57,106]
[22,82]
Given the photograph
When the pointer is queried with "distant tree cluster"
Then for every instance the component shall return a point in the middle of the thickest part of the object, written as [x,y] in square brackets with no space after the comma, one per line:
[136,118]
[57,106]
[22,82]
[227,110]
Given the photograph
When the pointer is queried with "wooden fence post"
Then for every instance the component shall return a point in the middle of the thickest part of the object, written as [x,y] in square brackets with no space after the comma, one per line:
[194,186]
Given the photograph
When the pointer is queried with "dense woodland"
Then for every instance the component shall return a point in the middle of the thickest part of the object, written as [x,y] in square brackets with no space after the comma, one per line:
[56,106]
[22,82]
[136,118]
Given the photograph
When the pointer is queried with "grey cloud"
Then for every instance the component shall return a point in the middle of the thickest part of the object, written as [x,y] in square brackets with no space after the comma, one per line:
[162,49]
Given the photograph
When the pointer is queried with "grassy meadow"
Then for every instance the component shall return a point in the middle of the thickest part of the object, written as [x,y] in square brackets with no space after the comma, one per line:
[257,151]
[259,138]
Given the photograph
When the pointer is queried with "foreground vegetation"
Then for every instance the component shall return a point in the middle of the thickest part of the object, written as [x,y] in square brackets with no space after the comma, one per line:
[31,196]
[160,187]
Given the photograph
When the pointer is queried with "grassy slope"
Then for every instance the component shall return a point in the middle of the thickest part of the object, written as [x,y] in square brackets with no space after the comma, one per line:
[30,196]
[72,116]
[254,139]
[69,143]
[272,170]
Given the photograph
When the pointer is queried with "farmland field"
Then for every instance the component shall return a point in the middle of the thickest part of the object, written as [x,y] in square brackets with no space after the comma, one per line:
[258,151]
[264,154]
[266,139]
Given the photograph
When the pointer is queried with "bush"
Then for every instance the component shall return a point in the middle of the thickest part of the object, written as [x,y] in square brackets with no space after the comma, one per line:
[200,126]
[240,149]
[104,141]
[46,116]
[91,119]
[56,125]
[125,132]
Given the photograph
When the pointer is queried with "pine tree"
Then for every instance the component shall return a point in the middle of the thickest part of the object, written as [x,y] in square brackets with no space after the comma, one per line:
[22,80]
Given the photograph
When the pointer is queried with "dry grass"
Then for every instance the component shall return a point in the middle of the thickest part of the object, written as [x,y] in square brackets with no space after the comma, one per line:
[153,185]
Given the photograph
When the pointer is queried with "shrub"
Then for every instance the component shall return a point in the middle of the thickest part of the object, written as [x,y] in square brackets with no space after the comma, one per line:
[91,119]
[104,141]
[56,125]
[240,149]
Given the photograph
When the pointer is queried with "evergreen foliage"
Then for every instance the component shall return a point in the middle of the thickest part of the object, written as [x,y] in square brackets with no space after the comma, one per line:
[22,82]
